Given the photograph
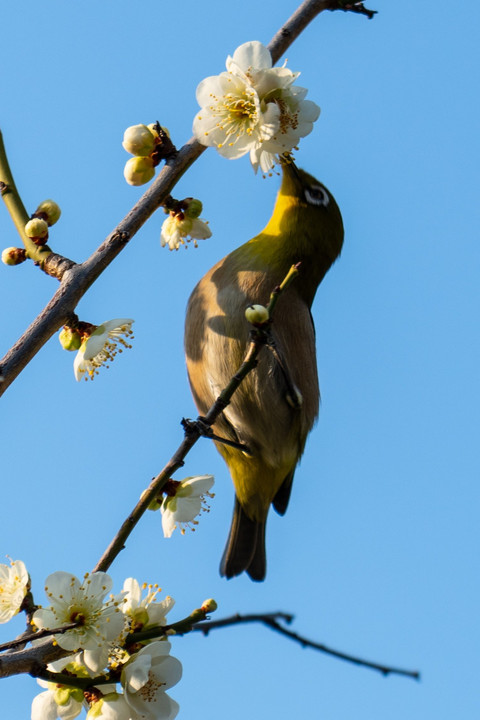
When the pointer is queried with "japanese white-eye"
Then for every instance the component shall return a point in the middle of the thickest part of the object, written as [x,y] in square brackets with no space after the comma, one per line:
[264,414]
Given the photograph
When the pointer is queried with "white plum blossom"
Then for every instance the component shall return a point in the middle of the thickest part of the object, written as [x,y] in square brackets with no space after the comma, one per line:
[110,707]
[253,108]
[231,118]
[95,659]
[178,229]
[145,679]
[102,346]
[13,588]
[144,612]
[46,707]
[59,701]
[184,502]
[98,622]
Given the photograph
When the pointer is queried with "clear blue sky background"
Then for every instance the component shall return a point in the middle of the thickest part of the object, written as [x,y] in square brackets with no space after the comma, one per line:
[378,553]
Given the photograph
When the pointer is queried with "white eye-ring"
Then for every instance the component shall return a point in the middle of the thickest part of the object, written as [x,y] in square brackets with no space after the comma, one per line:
[317,195]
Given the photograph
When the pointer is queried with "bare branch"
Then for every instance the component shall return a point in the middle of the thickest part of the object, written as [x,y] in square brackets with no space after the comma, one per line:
[27,637]
[271,621]
[29,660]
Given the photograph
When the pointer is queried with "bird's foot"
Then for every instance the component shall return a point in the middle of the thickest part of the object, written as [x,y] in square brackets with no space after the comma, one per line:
[204,430]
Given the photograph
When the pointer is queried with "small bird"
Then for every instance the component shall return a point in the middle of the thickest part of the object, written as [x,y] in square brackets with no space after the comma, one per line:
[276,405]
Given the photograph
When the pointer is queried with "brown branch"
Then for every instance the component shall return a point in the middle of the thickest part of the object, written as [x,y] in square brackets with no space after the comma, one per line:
[356,7]
[303,16]
[271,621]
[27,661]
[27,637]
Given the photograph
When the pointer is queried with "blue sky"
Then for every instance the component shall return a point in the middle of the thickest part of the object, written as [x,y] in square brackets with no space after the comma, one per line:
[378,553]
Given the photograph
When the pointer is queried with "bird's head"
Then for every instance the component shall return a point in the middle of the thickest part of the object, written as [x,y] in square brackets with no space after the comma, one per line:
[306,225]
[304,198]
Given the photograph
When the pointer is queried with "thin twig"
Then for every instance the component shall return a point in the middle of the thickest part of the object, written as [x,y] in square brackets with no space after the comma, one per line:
[271,621]
[29,636]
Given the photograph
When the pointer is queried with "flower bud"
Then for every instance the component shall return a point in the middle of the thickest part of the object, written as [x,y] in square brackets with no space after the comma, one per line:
[154,504]
[49,210]
[14,256]
[139,140]
[193,207]
[139,170]
[209,605]
[257,314]
[70,339]
[36,229]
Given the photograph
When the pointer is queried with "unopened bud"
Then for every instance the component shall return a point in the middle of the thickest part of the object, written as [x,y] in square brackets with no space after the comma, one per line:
[209,606]
[50,211]
[193,207]
[257,314]
[14,256]
[139,140]
[70,339]
[139,170]
[154,504]
[36,229]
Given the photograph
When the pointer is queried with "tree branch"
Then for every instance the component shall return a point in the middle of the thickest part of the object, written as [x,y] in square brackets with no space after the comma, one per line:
[271,620]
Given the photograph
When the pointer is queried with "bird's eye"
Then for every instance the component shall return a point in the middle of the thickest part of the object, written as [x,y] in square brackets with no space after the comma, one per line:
[316,195]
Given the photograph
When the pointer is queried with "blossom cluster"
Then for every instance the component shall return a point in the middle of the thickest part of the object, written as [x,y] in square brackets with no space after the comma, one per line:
[253,108]
[46,215]
[93,626]
[97,642]
[140,141]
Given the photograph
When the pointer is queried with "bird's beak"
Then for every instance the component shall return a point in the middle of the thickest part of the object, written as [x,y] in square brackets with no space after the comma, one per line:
[291,183]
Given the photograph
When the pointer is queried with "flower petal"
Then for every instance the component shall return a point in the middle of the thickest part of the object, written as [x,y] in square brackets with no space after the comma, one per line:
[252,54]
[135,672]
[44,707]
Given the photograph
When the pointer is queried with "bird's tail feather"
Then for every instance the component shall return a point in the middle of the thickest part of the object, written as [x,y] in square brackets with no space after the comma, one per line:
[280,501]
[245,548]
